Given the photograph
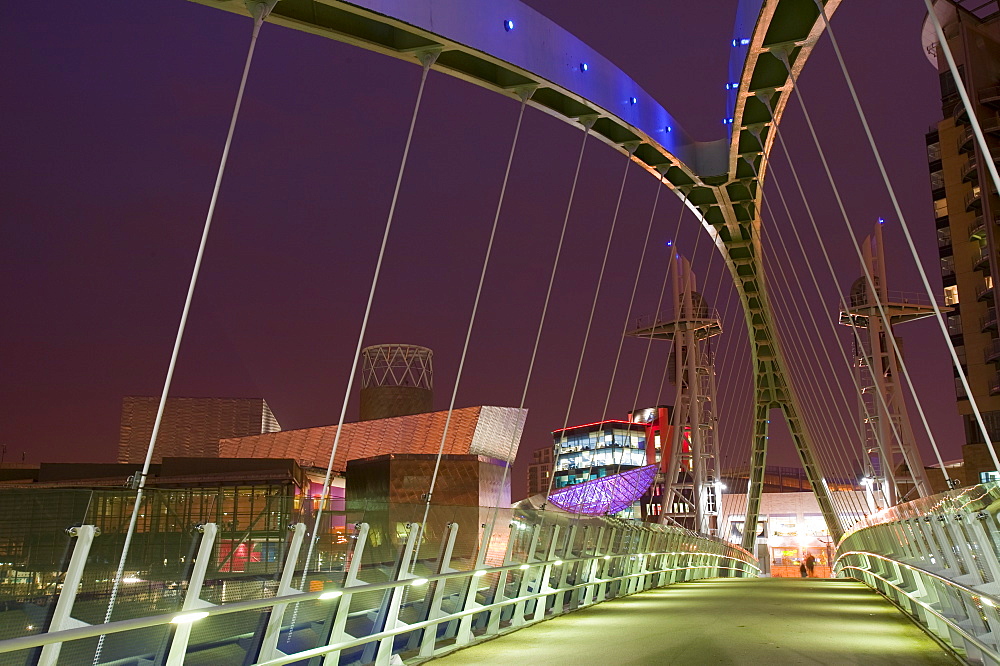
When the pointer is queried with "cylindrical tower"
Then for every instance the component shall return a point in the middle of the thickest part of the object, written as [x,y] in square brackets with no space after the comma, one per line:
[396,380]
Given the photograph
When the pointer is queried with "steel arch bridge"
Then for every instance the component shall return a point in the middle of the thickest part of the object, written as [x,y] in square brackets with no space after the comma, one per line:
[511,49]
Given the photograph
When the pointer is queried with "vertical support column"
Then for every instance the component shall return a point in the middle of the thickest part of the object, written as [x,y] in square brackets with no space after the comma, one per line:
[384,653]
[429,638]
[500,589]
[563,572]
[592,576]
[755,484]
[339,621]
[269,643]
[518,619]
[61,617]
[192,600]
[543,579]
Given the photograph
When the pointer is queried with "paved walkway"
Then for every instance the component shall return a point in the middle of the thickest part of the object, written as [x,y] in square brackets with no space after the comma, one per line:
[723,621]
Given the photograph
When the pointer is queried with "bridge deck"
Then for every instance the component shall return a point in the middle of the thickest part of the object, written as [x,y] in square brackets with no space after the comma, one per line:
[723,621]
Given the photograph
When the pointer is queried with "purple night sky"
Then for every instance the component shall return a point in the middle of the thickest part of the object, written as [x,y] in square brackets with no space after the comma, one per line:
[114,120]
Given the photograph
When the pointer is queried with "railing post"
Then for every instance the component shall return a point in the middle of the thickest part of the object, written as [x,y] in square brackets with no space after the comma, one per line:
[61,617]
[192,600]
[982,537]
[518,620]
[590,592]
[562,575]
[343,609]
[429,638]
[500,594]
[269,643]
[384,653]
[543,580]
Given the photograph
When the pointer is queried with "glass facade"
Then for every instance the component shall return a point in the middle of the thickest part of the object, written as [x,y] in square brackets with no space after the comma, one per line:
[594,451]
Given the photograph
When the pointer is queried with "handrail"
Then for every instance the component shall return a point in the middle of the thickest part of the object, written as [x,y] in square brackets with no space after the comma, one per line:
[653,558]
[954,626]
[944,549]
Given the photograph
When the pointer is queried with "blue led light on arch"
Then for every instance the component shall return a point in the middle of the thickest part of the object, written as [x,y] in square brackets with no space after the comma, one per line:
[508,25]
[584,67]
[668,128]
[632,100]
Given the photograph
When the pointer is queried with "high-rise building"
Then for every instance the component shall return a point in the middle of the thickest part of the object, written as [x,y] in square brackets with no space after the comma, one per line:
[967,208]
[191,427]
[539,471]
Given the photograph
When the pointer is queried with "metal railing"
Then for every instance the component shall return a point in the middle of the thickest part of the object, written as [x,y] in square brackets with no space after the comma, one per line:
[969,169]
[894,297]
[973,200]
[988,320]
[992,351]
[657,318]
[981,257]
[422,598]
[937,559]
[965,140]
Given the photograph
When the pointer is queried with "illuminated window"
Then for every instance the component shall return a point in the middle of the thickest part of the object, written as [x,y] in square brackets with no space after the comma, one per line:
[951,295]
[941,208]
[986,477]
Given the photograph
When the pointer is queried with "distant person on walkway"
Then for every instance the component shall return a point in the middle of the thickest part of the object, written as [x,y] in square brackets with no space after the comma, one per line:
[810,564]
[803,571]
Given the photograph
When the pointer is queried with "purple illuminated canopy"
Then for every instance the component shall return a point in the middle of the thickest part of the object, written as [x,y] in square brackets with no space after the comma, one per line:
[607,495]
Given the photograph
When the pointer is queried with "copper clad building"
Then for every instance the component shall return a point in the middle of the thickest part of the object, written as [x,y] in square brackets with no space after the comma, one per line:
[480,431]
[191,427]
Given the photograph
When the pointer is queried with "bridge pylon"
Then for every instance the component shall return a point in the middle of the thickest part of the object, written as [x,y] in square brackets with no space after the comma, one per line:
[895,471]
[689,469]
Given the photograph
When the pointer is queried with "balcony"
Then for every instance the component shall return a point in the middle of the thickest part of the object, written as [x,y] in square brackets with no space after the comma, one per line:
[992,351]
[969,170]
[981,259]
[990,96]
[995,384]
[988,322]
[960,115]
[965,140]
[977,230]
[984,292]
[973,200]
[990,124]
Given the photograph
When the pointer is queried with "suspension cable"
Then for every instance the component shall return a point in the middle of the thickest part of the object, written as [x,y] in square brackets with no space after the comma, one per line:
[829,263]
[524,95]
[260,10]
[857,248]
[631,301]
[833,457]
[587,125]
[426,59]
[597,292]
[815,282]
[902,219]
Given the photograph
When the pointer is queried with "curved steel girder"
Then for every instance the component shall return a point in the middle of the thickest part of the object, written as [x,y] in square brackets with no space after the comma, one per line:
[720,181]
[537,54]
